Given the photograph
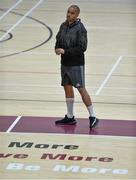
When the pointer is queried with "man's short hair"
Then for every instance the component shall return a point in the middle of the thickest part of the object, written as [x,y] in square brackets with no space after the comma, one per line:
[76,8]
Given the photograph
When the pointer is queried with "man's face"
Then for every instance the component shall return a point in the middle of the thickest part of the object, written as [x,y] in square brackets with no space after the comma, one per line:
[71,15]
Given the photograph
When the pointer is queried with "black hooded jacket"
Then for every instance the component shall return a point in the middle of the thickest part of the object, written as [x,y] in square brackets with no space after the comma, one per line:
[73,39]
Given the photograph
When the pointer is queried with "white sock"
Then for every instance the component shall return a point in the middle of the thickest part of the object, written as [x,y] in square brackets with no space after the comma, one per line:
[91,111]
[69,102]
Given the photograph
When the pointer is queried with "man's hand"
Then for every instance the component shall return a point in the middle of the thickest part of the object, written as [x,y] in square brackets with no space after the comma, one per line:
[59,51]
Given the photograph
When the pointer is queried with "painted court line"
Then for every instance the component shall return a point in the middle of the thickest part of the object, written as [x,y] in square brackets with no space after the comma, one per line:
[10,9]
[20,20]
[108,76]
[60,92]
[50,53]
[14,124]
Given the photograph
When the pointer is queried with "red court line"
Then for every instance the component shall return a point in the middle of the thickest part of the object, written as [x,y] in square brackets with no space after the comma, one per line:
[5,122]
[47,125]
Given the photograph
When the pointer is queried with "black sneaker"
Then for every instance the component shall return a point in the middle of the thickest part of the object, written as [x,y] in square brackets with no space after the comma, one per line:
[93,121]
[66,121]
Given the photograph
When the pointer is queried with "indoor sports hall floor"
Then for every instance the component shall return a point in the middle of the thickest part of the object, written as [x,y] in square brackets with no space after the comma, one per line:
[31,97]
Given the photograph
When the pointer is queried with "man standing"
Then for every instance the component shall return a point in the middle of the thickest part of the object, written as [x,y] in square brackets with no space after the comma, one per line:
[71,43]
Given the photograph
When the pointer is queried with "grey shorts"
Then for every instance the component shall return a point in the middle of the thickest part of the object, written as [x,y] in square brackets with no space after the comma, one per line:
[73,75]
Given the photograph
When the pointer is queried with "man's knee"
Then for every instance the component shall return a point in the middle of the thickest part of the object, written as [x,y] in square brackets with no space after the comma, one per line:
[69,91]
[83,92]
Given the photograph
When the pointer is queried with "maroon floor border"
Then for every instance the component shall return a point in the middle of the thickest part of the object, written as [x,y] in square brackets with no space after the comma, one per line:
[47,125]
[5,122]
